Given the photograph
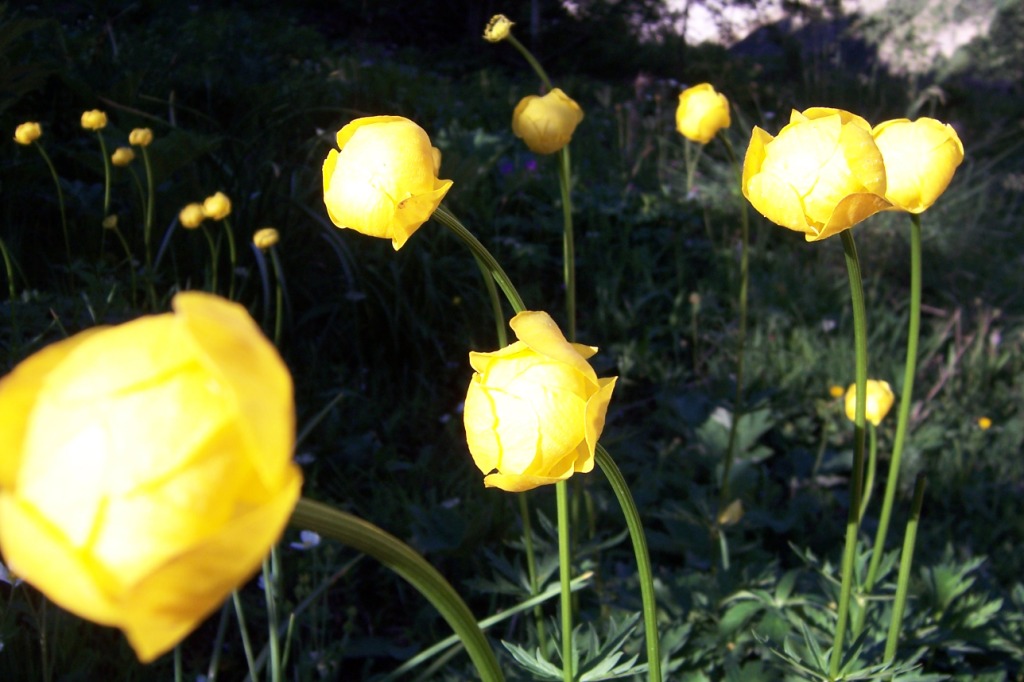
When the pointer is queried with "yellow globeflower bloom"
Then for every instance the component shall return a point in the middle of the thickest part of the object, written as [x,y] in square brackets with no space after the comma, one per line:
[535,409]
[497,28]
[382,180]
[879,402]
[984,423]
[192,216]
[140,137]
[836,391]
[265,238]
[146,468]
[94,120]
[701,113]
[122,156]
[28,132]
[546,124]
[217,206]
[821,175]
[920,159]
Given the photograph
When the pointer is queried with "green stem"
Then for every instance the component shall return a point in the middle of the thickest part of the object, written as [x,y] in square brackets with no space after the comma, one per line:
[128,255]
[60,199]
[278,295]
[643,558]
[741,334]
[179,673]
[106,174]
[531,564]
[271,570]
[234,259]
[531,60]
[492,294]
[150,201]
[9,267]
[565,573]
[909,370]
[857,474]
[446,218]
[407,563]
[906,560]
[869,484]
[213,258]
[568,240]
[246,643]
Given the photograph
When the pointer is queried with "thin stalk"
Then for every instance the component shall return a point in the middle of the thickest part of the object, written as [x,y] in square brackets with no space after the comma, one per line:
[568,241]
[60,198]
[869,484]
[906,561]
[147,229]
[643,558]
[179,673]
[106,174]
[218,645]
[278,295]
[271,570]
[857,475]
[407,563]
[531,566]
[446,218]
[909,370]
[492,295]
[741,334]
[213,258]
[9,267]
[232,254]
[128,254]
[530,60]
[246,643]
[565,573]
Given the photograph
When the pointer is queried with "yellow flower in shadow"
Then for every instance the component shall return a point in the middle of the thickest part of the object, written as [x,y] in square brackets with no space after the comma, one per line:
[28,132]
[192,216]
[546,124]
[94,120]
[147,467]
[497,28]
[701,113]
[122,156]
[264,238]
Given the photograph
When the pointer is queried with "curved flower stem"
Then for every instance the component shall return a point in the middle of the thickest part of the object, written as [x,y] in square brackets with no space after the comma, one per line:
[106,174]
[492,294]
[128,255]
[741,334]
[60,198]
[406,562]
[906,560]
[870,482]
[213,258]
[446,218]
[246,643]
[531,60]
[9,267]
[147,228]
[909,370]
[565,574]
[568,241]
[643,558]
[279,286]
[233,257]
[271,571]
[857,475]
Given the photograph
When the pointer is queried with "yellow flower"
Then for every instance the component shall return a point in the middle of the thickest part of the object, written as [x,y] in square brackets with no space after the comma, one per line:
[879,402]
[122,156]
[217,206]
[94,120]
[497,28]
[192,216]
[140,137]
[984,423]
[28,132]
[701,113]
[546,124]
[920,159]
[535,409]
[383,182]
[836,391]
[110,222]
[147,467]
[823,173]
[265,238]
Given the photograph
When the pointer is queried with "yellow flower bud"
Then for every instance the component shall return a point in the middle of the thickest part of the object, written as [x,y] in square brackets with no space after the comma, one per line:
[28,132]
[823,173]
[535,409]
[879,401]
[192,216]
[147,467]
[122,156]
[94,120]
[265,238]
[217,206]
[836,391]
[497,28]
[920,159]
[984,423]
[546,124]
[382,180]
[110,222]
[140,137]
[701,113]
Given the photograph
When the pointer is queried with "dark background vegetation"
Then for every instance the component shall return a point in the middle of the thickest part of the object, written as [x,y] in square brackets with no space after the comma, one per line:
[245,97]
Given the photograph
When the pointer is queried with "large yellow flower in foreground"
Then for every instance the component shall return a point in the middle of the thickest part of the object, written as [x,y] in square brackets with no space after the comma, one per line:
[145,469]
[535,409]
[920,159]
[701,113]
[546,123]
[382,180]
[821,175]
[879,401]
